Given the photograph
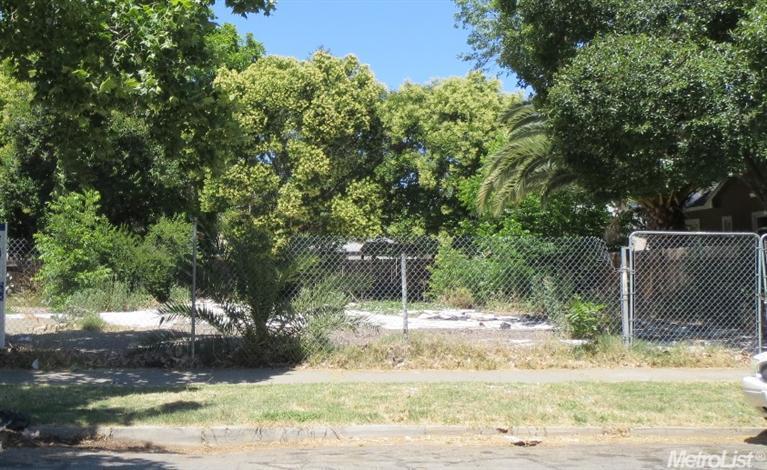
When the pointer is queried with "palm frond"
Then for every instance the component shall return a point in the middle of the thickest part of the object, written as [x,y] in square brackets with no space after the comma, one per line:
[524,164]
[558,180]
[227,318]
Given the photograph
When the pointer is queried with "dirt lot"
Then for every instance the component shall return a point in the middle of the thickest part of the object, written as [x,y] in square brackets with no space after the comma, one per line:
[41,329]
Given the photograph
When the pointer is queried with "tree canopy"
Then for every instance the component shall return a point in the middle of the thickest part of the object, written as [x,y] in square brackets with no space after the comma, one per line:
[161,111]
[310,137]
[648,100]
[536,39]
[440,135]
[650,119]
[120,99]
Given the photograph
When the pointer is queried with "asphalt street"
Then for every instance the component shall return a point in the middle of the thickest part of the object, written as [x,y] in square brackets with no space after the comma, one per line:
[624,455]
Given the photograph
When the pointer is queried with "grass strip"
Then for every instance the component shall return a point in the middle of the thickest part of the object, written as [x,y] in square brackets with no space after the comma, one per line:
[628,404]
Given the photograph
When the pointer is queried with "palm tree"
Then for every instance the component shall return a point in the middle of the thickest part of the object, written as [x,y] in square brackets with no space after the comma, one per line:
[526,163]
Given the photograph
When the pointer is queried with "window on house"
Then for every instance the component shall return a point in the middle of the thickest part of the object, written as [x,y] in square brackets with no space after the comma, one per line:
[727,223]
[693,225]
[759,221]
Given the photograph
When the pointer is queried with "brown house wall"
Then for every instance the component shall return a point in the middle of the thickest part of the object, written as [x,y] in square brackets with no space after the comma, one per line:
[734,200]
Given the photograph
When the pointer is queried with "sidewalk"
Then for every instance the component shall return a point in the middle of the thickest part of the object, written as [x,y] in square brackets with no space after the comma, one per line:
[160,377]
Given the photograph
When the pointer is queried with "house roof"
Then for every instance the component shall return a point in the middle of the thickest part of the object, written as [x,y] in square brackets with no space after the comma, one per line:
[704,198]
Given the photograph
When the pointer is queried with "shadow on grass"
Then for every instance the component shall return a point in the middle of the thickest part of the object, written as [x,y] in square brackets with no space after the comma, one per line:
[87,406]
[159,348]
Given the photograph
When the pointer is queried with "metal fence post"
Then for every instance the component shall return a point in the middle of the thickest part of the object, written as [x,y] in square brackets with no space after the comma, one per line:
[625,298]
[194,285]
[761,282]
[3,266]
[403,275]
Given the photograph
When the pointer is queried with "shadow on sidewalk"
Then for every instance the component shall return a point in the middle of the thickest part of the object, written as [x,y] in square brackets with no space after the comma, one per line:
[139,377]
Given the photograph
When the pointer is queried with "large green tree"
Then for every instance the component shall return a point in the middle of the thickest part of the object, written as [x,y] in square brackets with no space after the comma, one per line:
[536,38]
[751,40]
[440,134]
[310,136]
[650,119]
[27,165]
[121,99]
[647,99]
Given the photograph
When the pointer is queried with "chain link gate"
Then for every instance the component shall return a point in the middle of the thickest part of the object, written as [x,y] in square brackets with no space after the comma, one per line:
[693,287]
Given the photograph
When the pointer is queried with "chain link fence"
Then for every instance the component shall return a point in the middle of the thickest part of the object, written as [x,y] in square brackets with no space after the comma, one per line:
[25,312]
[111,324]
[248,302]
[317,293]
[23,263]
[696,287]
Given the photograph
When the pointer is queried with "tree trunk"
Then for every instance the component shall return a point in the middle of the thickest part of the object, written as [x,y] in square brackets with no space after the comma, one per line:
[664,212]
[755,177]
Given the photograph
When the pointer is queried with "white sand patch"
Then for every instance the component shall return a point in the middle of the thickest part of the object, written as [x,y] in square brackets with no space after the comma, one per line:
[444,319]
[450,319]
[135,319]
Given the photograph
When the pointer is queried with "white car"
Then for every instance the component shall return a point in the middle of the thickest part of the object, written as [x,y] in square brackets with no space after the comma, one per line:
[755,386]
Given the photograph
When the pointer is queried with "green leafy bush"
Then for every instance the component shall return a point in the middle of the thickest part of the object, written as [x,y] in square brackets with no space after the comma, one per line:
[92,322]
[85,259]
[163,256]
[459,297]
[108,297]
[489,269]
[453,270]
[586,320]
[76,245]
[549,298]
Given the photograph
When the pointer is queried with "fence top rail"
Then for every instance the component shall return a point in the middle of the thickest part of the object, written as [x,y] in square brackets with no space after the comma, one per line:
[637,240]
[680,232]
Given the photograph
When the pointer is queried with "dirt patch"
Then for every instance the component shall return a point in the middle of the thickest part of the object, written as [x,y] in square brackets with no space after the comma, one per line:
[487,337]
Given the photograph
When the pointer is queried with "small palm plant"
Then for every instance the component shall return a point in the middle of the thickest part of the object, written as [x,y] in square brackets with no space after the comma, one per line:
[258,299]
[526,162]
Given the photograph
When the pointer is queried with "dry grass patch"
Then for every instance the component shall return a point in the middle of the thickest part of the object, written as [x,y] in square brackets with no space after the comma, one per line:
[432,351]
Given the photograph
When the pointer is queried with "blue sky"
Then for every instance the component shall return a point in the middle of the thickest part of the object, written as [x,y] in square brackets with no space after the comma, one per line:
[400,39]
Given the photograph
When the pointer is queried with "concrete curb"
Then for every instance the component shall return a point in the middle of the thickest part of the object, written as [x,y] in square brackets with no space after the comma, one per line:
[226,435]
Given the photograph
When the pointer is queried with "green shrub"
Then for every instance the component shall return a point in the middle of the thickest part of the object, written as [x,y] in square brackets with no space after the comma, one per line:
[106,297]
[179,294]
[586,320]
[91,322]
[85,257]
[490,269]
[548,298]
[459,297]
[124,260]
[163,256]
[76,246]
[454,270]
